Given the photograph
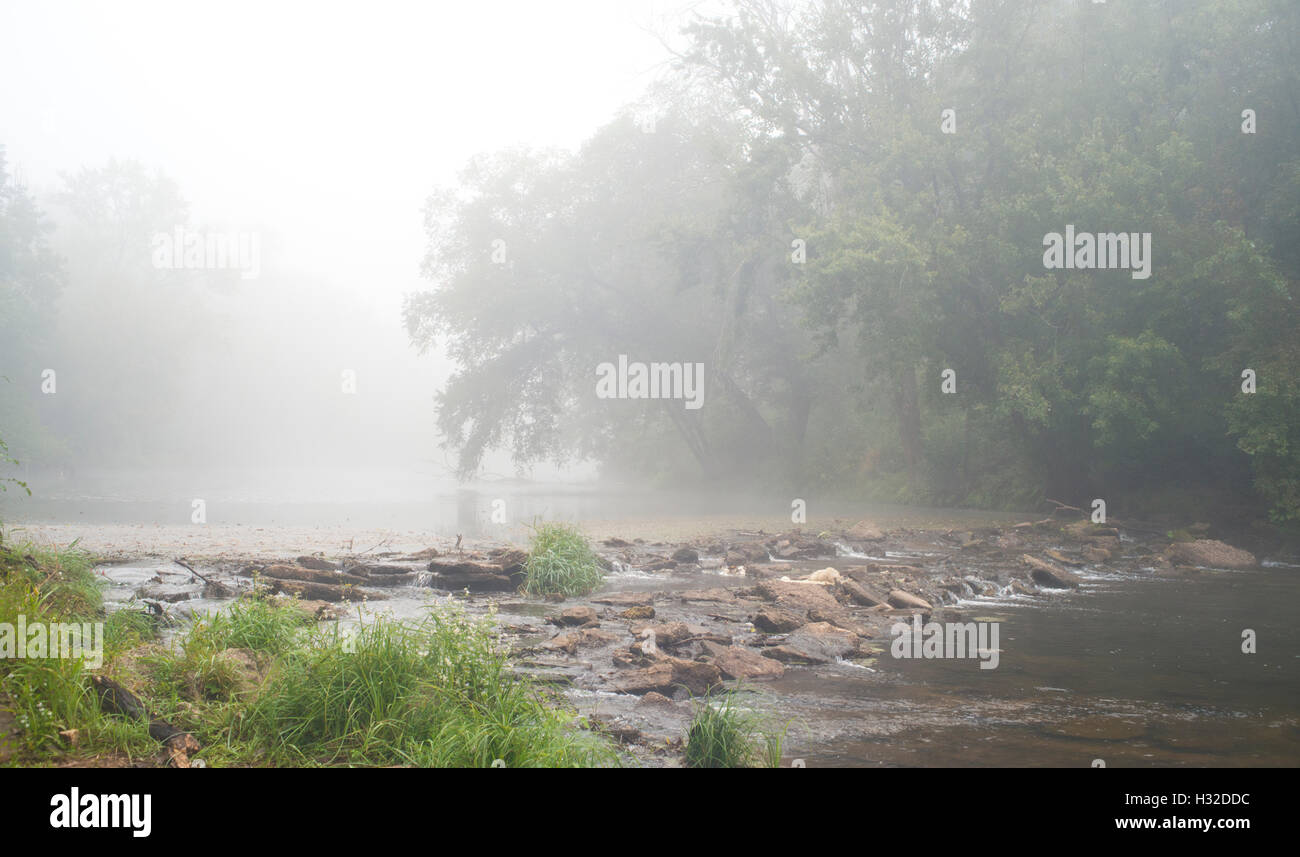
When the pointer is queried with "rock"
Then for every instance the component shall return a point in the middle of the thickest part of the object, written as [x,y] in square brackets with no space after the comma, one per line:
[576,616]
[238,669]
[317,563]
[746,554]
[626,599]
[797,597]
[386,570]
[322,591]
[404,579]
[906,600]
[666,635]
[740,664]
[656,699]
[1210,553]
[475,576]
[1049,576]
[718,595]
[165,593]
[217,590]
[864,531]
[1096,554]
[667,674]
[616,543]
[581,638]
[686,555]
[424,555]
[771,620]
[864,596]
[1088,531]
[640,612]
[280,571]
[814,643]
[826,576]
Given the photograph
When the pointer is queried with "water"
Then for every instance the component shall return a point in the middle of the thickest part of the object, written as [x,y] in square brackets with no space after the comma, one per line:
[1133,669]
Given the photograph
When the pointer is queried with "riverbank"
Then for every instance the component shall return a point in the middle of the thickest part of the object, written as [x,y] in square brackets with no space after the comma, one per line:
[801,622]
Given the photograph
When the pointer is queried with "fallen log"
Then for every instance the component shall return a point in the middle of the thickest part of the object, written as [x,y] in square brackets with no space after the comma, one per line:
[116,699]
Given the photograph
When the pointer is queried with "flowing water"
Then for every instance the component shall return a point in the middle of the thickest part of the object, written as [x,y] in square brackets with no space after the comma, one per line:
[1132,669]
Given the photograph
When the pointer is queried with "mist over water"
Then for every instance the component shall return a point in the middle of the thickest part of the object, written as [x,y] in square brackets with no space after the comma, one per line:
[747,292]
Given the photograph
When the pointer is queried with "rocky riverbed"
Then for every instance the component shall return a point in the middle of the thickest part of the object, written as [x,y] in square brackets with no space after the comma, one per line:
[785,617]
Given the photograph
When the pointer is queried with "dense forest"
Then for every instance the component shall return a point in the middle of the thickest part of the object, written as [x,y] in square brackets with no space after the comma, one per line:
[842,212]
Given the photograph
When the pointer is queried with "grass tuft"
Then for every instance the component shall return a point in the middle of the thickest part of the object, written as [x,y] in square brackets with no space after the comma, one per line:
[723,735]
[561,562]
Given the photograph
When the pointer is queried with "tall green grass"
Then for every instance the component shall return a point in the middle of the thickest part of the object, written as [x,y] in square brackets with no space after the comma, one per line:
[724,735]
[561,562]
[434,693]
[49,695]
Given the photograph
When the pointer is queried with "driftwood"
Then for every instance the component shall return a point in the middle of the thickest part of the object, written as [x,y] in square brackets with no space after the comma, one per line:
[183,564]
[116,699]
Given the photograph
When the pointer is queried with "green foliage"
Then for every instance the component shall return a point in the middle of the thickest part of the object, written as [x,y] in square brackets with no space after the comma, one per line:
[724,735]
[924,252]
[434,693]
[561,562]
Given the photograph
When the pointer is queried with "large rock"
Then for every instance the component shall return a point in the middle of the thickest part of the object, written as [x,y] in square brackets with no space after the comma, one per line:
[1049,576]
[476,576]
[686,555]
[281,571]
[907,601]
[771,620]
[576,616]
[814,643]
[316,563]
[860,594]
[582,638]
[669,634]
[740,664]
[667,674]
[1210,553]
[322,591]
[626,599]
[746,554]
[797,597]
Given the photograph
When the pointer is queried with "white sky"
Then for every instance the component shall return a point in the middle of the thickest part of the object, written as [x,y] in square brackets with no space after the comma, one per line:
[326,123]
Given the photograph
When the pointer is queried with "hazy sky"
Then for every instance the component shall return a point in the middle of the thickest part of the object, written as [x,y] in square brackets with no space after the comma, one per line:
[324,126]
[327,123]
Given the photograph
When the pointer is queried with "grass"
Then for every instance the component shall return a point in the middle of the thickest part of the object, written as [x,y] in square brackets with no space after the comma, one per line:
[723,735]
[45,696]
[561,562]
[263,684]
[435,693]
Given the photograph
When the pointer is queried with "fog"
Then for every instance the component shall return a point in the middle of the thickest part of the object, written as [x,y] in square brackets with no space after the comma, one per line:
[812,251]
[320,129]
